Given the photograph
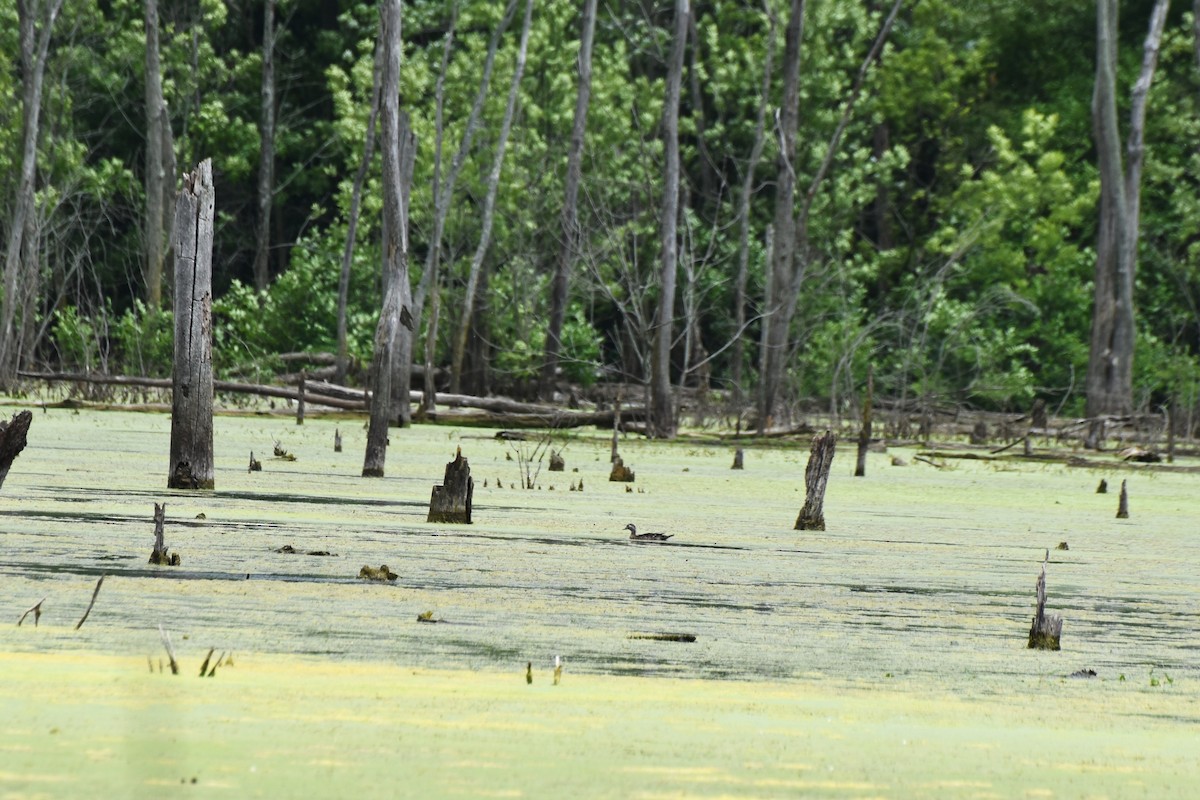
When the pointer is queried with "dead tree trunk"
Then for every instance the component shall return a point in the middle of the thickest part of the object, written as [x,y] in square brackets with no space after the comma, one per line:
[12,440]
[192,380]
[1046,630]
[451,502]
[156,118]
[816,475]
[159,554]
[738,459]
[1123,503]
[266,153]
[864,434]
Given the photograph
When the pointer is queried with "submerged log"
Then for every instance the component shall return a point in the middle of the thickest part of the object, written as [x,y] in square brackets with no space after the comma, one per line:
[1046,630]
[816,475]
[451,502]
[13,435]
[159,554]
[192,380]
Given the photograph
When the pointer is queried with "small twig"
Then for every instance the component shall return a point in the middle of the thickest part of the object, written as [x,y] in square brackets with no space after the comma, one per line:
[166,640]
[929,462]
[36,608]
[96,592]
[204,666]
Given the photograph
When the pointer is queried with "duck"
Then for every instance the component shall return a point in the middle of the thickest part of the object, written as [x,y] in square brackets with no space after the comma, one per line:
[634,536]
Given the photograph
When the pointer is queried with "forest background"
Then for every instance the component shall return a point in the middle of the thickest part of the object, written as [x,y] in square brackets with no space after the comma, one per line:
[947,189]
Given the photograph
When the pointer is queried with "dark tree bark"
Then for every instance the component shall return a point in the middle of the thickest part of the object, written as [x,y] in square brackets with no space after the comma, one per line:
[21,249]
[451,502]
[13,437]
[816,475]
[395,138]
[192,382]
[864,433]
[662,400]
[489,208]
[1110,354]
[560,289]
[156,177]
[266,153]
[1046,631]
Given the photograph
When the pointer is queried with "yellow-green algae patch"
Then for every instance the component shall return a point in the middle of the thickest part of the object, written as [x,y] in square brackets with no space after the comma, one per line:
[279,726]
[884,657]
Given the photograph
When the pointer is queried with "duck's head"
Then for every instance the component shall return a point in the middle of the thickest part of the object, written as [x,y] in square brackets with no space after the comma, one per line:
[632,529]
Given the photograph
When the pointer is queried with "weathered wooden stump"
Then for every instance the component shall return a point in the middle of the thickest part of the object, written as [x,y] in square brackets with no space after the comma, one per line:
[255,464]
[620,472]
[1046,630]
[382,573]
[864,433]
[451,502]
[979,434]
[1037,415]
[1103,487]
[1123,503]
[13,435]
[557,462]
[337,440]
[738,458]
[159,554]
[816,475]
[300,398]
[192,380]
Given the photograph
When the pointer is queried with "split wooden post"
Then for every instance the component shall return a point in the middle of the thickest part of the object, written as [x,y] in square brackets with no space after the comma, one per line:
[1123,503]
[864,433]
[816,475]
[1046,630]
[13,436]
[451,502]
[159,554]
[192,380]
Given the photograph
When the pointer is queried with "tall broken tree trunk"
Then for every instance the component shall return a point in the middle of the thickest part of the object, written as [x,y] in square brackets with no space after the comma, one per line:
[864,434]
[266,152]
[12,440]
[192,378]
[451,502]
[816,475]
[1046,630]
[159,554]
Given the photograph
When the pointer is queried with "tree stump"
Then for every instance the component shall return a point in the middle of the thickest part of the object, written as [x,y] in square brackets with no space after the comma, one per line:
[1123,503]
[816,475]
[1103,487]
[1037,416]
[159,554]
[255,464]
[979,434]
[557,462]
[1046,630]
[192,380]
[300,398]
[864,433]
[738,458]
[13,436]
[451,502]
[620,472]
[337,440]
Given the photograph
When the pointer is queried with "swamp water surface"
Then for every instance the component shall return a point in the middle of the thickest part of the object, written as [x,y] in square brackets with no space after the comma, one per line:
[922,586]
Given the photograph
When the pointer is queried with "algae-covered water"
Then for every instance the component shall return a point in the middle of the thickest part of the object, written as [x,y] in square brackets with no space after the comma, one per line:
[904,622]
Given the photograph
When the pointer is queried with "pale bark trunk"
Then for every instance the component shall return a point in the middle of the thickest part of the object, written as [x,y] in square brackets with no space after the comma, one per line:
[662,401]
[155,178]
[192,383]
[35,45]
[395,140]
[560,289]
[1110,356]
[489,207]
[343,353]
[266,158]
[743,218]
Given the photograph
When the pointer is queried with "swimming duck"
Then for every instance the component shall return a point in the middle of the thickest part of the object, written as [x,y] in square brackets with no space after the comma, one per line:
[646,537]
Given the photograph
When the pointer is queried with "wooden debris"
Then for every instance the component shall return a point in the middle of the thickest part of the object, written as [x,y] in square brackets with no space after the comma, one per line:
[511,436]
[816,475]
[287,548]
[13,438]
[380,574]
[281,454]
[897,461]
[36,610]
[1046,630]
[95,592]
[255,464]
[192,377]
[159,554]
[1139,455]
[930,462]
[738,459]
[1083,673]
[166,640]
[1123,503]
[451,502]
[529,672]
[621,473]
[427,616]
[204,666]
[664,637]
